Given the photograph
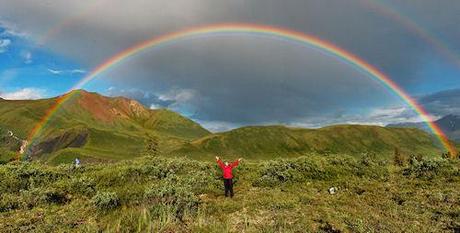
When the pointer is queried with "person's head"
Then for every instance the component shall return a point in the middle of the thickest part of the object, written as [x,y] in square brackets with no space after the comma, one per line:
[226,163]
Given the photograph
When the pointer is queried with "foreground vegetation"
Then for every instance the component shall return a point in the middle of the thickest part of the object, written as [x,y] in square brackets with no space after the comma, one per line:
[180,195]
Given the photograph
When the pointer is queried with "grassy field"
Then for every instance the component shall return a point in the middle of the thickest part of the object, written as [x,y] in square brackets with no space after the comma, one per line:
[157,194]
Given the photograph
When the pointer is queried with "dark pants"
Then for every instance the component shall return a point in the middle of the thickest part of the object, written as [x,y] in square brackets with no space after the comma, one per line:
[228,183]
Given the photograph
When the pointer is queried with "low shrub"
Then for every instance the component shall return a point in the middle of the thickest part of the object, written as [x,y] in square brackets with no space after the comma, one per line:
[282,171]
[173,193]
[83,185]
[9,202]
[430,168]
[54,196]
[105,200]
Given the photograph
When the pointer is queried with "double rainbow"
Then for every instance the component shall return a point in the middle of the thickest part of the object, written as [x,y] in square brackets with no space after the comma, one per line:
[258,30]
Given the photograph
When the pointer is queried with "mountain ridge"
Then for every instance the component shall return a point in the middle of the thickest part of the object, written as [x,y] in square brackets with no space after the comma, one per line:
[449,124]
[94,127]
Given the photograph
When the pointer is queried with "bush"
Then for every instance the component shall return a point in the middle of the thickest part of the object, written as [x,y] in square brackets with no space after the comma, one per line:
[173,193]
[105,200]
[428,168]
[278,172]
[8,202]
[54,196]
[83,185]
[283,171]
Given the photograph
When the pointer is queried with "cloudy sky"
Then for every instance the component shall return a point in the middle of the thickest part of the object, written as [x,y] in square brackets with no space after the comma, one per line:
[226,81]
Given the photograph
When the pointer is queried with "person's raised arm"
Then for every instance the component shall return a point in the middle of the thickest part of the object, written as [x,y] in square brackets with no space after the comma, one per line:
[234,164]
[221,164]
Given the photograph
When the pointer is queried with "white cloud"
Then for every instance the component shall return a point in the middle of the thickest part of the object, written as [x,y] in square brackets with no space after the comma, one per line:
[77,71]
[25,93]
[56,72]
[178,95]
[218,126]
[155,106]
[11,30]
[377,116]
[180,100]
[384,116]
[59,72]
[147,98]
[27,56]
[4,44]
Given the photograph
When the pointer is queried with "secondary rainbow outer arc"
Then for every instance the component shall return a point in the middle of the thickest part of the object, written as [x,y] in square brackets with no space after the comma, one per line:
[251,29]
[412,26]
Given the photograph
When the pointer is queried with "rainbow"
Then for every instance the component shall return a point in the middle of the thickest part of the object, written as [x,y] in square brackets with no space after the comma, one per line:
[38,128]
[415,28]
[68,21]
[252,29]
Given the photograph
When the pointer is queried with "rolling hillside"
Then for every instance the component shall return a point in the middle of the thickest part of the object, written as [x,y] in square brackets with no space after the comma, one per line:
[98,128]
[280,141]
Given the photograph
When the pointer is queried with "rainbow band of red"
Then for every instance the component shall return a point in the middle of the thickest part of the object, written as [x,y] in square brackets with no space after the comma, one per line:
[254,29]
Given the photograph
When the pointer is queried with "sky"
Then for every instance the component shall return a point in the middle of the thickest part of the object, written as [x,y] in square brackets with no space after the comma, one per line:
[231,80]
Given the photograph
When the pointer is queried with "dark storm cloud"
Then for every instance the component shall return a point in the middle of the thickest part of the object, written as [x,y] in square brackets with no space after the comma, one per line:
[243,79]
[442,103]
[289,82]
[91,31]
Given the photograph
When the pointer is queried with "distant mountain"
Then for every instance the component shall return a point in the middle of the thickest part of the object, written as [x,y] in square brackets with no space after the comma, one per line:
[281,141]
[450,124]
[93,127]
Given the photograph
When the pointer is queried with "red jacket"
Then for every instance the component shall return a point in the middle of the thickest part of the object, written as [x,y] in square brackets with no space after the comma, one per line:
[227,170]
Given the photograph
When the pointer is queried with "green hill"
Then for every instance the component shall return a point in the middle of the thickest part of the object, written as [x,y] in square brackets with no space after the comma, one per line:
[280,141]
[98,128]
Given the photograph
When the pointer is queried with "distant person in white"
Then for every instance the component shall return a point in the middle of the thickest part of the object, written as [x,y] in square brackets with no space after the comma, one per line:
[77,162]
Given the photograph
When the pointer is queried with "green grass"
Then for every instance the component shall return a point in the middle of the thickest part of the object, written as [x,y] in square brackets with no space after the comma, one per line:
[268,142]
[158,194]
[6,155]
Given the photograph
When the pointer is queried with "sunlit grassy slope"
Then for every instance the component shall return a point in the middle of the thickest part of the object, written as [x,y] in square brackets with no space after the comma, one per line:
[98,128]
[280,141]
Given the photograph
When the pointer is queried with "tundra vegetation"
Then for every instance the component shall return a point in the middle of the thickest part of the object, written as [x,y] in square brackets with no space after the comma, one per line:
[164,194]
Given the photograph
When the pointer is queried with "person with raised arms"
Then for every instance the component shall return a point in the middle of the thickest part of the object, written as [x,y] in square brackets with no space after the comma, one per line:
[227,174]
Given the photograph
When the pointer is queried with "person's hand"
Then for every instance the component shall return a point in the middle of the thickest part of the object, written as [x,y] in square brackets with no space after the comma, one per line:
[217,158]
[239,160]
